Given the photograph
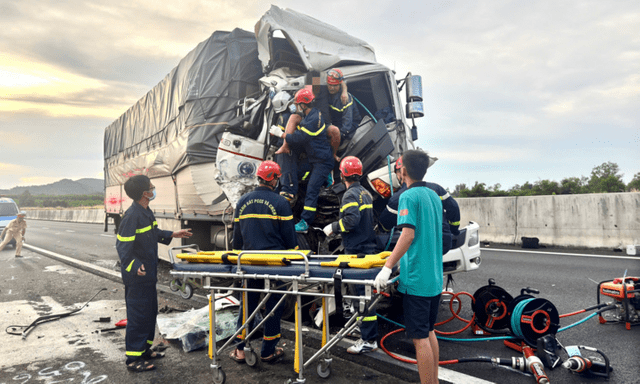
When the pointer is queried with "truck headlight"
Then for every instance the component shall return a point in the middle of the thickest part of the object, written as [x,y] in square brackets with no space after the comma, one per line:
[246,169]
[473,239]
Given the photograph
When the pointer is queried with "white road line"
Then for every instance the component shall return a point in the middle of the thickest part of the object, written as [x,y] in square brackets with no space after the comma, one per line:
[563,254]
[459,378]
[68,230]
[107,235]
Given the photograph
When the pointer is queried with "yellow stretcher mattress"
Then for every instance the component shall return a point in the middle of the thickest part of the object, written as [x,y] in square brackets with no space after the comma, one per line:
[355,261]
[231,257]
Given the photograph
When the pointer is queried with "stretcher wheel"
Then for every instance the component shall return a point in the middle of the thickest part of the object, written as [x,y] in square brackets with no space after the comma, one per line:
[186,292]
[324,370]
[174,285]
[250,358]
[219,377]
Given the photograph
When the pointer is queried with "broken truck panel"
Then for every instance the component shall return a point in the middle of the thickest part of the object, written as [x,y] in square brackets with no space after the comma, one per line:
[309,44]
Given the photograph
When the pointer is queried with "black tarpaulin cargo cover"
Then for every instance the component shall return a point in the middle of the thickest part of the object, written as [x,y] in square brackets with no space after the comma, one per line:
[179,122]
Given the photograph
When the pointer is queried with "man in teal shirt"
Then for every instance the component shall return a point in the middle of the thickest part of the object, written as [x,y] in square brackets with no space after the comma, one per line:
[419,251]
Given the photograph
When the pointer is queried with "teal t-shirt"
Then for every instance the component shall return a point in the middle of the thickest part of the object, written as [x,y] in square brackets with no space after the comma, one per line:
[420,208]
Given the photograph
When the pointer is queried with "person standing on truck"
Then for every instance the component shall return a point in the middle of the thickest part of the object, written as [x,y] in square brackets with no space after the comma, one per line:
[137,246]
[15,230]
[419,251]
[263,221]
[344,115]
[358,237]
[311,137]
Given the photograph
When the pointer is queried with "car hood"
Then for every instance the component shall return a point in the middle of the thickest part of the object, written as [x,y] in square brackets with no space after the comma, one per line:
[319,45]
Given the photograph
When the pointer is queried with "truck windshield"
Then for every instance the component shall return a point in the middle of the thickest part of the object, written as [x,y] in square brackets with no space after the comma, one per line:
[8,209]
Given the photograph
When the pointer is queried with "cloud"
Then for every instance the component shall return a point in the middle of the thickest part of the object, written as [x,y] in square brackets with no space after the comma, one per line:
[12,169]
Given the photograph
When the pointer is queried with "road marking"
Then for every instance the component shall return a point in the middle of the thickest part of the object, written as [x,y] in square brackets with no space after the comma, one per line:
[68,230]
[563,254]
[107,235]
[459,378]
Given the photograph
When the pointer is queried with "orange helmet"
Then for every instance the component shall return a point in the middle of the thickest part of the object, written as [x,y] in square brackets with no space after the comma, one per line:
[351,165]
[334,76]
[398,163]
[304,96]
[268,170]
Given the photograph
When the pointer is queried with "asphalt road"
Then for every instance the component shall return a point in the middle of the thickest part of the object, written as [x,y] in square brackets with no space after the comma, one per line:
[566,280]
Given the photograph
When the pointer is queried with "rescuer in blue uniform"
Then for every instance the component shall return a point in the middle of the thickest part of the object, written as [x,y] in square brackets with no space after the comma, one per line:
[358,237]
[263,221]
[137,246]
[311,137]
[343,115]
[451,210]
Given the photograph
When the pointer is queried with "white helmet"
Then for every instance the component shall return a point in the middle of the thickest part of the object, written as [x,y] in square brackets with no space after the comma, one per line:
[281,101]
[22,213]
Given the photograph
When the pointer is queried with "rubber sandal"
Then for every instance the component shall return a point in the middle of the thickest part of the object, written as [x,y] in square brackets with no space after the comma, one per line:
[151,355]
[140,366]
[235,358]
[277,355]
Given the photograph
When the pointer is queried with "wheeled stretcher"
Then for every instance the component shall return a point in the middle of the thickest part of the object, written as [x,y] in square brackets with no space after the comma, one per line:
[288,273]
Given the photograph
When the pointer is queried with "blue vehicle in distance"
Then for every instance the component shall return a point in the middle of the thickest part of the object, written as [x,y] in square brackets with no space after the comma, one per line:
[8,211]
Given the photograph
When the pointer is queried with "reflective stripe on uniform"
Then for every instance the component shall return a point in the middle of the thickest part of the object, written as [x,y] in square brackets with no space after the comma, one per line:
[132,353]
[343,108]
[272,337]
[312,209]
[454,223]
[392,210]
[305,176]
[342,226]
[365,206]
[316,133]
[125,239]
[369,318]
[445,196]
[130,265]
[344,207]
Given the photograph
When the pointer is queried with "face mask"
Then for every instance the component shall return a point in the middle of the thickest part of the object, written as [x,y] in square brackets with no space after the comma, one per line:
[153,195]
[292,108]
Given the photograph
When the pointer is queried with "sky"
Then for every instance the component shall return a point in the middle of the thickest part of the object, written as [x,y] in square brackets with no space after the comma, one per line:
[513,91]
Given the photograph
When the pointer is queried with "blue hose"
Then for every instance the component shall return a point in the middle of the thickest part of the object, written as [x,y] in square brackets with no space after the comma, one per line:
[365,108]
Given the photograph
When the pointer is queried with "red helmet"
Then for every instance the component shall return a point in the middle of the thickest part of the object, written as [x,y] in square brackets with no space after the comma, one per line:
[399,163]
[334,76]
[351,165]
[304,96]
[268,170]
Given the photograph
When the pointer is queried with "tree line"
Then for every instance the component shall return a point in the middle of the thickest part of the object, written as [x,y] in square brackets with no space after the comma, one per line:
[604,178]
[62,201]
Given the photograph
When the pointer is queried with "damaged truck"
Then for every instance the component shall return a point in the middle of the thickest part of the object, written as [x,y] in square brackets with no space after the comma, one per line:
[201,132]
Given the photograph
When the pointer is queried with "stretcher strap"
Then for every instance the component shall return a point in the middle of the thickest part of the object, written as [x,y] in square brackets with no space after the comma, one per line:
[337,291]
[358,261]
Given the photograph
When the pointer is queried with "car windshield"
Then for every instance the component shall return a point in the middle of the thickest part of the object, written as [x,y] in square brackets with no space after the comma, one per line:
[8,209]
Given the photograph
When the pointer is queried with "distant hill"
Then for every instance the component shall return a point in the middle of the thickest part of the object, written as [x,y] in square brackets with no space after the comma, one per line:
[62,187]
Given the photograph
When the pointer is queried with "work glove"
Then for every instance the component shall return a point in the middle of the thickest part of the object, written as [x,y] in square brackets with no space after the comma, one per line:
[328,230]
[276,131]
[381,280]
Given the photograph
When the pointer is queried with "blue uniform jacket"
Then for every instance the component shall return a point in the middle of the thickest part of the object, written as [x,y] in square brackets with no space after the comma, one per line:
[311,137]
[263,221]
[451,216]
[137,244]
[356,221]
[346,117]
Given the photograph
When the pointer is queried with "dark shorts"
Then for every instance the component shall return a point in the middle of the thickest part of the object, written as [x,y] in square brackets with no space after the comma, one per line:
[420,314]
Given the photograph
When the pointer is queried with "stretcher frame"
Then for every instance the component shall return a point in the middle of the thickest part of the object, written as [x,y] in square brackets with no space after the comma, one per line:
[297,285]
